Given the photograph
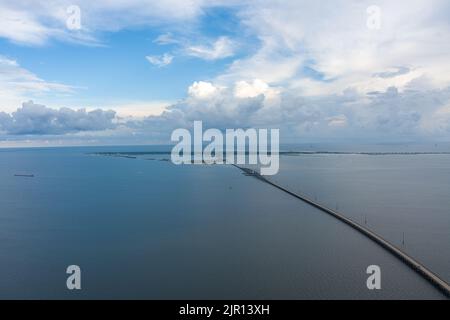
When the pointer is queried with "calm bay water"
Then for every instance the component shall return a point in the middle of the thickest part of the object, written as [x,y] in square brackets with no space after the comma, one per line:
[143,228]
[404,198]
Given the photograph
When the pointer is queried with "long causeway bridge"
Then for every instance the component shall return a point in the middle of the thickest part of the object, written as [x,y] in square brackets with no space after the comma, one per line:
[427,274]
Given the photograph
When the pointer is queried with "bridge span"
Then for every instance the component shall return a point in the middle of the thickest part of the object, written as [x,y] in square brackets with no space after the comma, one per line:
[427,274]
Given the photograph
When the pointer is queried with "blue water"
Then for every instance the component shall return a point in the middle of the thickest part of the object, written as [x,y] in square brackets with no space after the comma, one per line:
[404,198]
[148,229]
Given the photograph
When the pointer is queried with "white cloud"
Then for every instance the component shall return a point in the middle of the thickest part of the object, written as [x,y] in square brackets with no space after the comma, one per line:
[202,90]
[390,115]
[36,119]
[244,89]
[160,61]
[222,48]
[313,68]
[331,37]
[36,22]
[165,39]
[17,83]
[138,109]
[22,27]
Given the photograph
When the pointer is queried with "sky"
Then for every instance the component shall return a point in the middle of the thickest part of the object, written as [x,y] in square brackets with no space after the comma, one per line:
[130,72]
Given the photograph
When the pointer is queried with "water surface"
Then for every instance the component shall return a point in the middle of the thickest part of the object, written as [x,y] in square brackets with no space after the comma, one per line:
[149,229]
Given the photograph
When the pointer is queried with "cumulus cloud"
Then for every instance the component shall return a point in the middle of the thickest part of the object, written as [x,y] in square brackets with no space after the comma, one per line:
[160,61]
[202,89]
[244,89]
[36,119]
[314,68]
[389,115]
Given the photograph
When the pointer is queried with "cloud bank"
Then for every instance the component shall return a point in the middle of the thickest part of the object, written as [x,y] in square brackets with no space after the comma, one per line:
[36,119]
[384,116]
[314,69]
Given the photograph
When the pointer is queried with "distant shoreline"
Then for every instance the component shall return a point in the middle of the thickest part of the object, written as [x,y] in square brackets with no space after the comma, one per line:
[292,153]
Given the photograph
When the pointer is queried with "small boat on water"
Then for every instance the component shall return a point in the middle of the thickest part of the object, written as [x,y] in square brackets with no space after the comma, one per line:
[24,175]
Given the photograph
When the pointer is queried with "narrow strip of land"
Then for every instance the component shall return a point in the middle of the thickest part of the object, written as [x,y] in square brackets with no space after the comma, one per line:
[427,274]
[285,153]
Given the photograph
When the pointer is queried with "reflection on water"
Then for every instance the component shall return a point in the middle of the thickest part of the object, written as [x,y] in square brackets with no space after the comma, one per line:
[149,229]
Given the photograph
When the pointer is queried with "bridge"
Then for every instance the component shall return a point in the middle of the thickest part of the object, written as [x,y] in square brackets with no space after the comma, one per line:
[427,274]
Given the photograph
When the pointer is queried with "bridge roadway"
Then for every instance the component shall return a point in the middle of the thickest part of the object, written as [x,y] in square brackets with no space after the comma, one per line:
[427,274]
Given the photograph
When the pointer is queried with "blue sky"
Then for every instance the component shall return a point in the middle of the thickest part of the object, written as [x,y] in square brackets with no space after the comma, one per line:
[116,69]
[328,70]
